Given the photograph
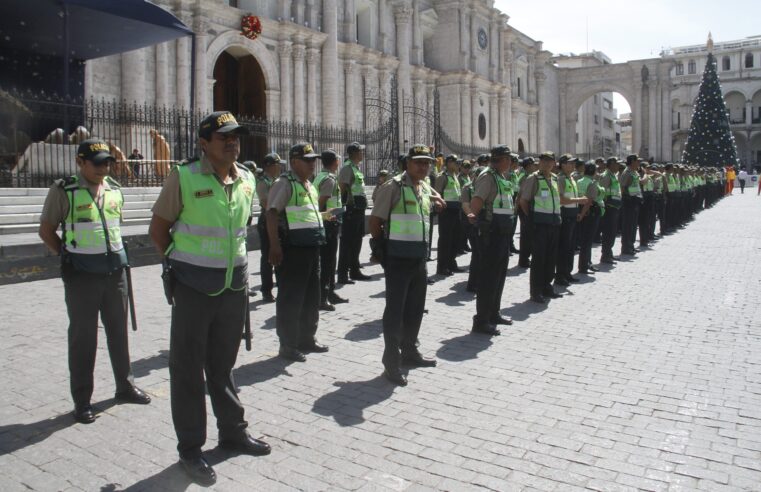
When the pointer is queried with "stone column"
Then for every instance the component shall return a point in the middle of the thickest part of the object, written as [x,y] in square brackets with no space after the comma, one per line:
[162,75]
[299,102]
[273,98]
[403,17]
[384,89]
[202,81]
[472,40]
[464,24]
[298,16]
[313,57]
[350,21]
[493,133]
[530,82]
[475,110]
[311,15]
[382,37]
[665,123]
[417,35]
[749,114]
[505,115]
[563,113]
[329,63]
[652,123]
[182,72]
[465,114]
[351,87]
[540,133]
[493,49]
[531,145]
[284,9]
[133,76]
[284,50]
[637,117]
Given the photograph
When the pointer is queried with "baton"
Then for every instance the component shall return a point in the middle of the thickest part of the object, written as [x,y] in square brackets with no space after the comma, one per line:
[130,294]
[247,330]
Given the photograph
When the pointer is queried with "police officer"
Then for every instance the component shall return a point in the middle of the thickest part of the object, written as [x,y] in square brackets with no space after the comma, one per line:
[352,183]
[272,163]
[296,230]
[88,206]
[471,231]
[570,200]
[609,220]
[199,223]
[514,176]
[524,256]
[399,228]
[632,200]
[448,186]
[462,222]
[329,193]
[540,198]
[590,216]
[492,210]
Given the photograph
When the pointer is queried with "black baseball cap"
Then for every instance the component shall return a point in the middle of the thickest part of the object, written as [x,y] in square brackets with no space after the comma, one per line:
[452,157]
[302,151]
[611,160]
[528,161]
[95,150]
[483,158]
[420,151]
[329,156]
[632,158]
[515,157]
[567,158]
[272,158]
[354,147]
[222,122]
[500,151]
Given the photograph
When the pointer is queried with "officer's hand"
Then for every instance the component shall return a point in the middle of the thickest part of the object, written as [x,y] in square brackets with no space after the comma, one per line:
[439,204]
[276,255]
[472,218]
[579,217]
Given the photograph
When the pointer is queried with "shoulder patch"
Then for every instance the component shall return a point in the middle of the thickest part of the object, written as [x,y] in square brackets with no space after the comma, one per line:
[69,182]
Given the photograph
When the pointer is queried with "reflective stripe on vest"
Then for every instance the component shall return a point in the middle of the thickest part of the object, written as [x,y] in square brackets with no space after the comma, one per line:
[451,190]
[335,198]
[634,188]
[209,237]
[503,203]
[408,222]
[613,195]
[573,193]
[302,215]
[91,232]
[546,203]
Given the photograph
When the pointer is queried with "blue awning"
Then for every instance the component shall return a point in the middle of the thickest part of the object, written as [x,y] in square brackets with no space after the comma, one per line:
[95,28]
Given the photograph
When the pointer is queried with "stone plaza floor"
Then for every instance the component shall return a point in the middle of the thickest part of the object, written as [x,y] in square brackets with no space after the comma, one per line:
[646,376]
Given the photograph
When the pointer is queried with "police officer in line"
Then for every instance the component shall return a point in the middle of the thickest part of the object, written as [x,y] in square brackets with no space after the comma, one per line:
[590,216]
[570,201]
[352,183]
[199,224]
[448,186]
[471,231]
[658,202]
[329,193]
[399,228]
[631,192]
[491,211]
[272,165]
[524,257]
[609,220]
[540,198]
[514,176]
[296,232]
[92,268]
[462,223]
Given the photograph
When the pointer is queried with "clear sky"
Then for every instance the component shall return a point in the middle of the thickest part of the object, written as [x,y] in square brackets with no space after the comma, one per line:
[633,29]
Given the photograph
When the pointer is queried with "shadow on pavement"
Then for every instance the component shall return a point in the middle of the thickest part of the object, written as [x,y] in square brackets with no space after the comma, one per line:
[365,331]
[464,347]
[268,324]
[347,404]
[143,367]
[171,479]
[18,436]
[260,371]
[521,311]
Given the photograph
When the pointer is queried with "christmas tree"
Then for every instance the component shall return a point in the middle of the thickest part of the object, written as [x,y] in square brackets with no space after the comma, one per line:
[709,142]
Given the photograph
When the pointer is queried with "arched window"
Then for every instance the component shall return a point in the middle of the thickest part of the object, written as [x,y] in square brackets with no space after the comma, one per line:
[481,126]
[519,87]
[680,69]
[692,67]
[725,63]
[749,60]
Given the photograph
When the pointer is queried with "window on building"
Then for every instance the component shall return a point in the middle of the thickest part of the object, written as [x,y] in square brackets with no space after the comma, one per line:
[680,68]
[233,3]
[749,60]
[608,123]
[725,63]
[679,120]
[607,104]
[595,98]
[692,67]
[481,126]
[597,120]
[519,87]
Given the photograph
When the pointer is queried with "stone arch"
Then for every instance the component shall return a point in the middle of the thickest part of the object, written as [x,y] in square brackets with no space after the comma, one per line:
[233,39]
[735,102]
[756,105]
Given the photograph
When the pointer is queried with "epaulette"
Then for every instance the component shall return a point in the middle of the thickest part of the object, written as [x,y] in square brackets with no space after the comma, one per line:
[112,182]
[67,183]
[188,160]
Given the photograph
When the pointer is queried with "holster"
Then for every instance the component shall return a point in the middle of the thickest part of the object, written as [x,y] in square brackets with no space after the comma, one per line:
[167,278]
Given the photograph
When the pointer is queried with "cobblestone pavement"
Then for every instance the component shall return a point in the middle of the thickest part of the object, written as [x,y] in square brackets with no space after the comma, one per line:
[646,376]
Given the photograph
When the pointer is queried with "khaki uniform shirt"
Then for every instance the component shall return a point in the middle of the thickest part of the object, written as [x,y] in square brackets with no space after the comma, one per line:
[168,206]
[485,188]
[389,195]
[529,188]
[346,177]
[56,207]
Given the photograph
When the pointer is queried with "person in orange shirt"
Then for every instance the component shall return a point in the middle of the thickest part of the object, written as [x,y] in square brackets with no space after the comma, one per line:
[731,175]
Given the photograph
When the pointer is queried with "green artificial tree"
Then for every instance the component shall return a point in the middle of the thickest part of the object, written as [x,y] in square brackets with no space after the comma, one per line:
[710,142]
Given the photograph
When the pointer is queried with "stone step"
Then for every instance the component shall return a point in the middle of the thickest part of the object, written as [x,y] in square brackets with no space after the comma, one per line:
[23,191]
[37,208]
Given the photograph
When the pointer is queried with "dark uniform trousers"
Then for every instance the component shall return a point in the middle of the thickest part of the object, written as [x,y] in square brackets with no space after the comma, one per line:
[87,295]
[298,295]
[328,259]
[447,244]
[494,246]
[475,255]
[566,244]
[406,287]
[205,338]
[587,230]
[545,253]
[646,217]
[659,215]
[525,240]
[609,227]
[630,210]
[265,268]
[352,232]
